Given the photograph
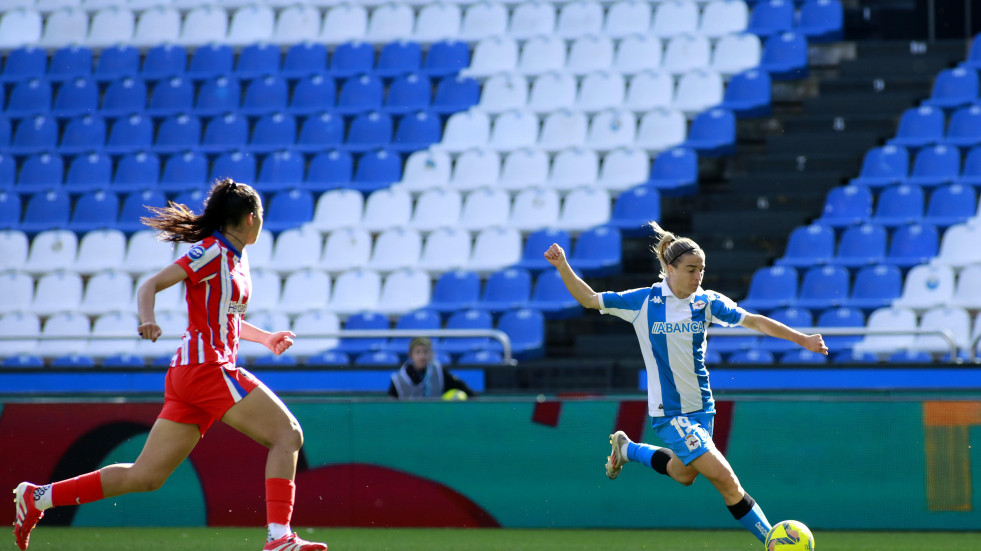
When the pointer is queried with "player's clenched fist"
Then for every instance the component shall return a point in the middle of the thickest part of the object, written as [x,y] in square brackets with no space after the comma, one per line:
[555,255]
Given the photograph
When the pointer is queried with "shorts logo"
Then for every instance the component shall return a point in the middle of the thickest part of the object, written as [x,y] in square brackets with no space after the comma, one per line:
[698,305]
[196,252]
[692,442]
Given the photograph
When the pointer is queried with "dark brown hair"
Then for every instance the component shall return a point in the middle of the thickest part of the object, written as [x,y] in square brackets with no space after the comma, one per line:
[670,248]
[227,203]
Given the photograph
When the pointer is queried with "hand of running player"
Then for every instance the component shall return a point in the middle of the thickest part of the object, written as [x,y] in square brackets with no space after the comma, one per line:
[555,255]
[815,343]
[280,341]
[149,331]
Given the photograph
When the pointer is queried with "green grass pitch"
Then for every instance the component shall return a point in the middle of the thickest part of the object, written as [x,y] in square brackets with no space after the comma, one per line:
[389,539]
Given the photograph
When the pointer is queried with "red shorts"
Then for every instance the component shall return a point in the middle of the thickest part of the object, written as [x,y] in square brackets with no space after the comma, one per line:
[200,394]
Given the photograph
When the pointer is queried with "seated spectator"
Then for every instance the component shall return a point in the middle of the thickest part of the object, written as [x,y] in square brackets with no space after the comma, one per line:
[423,377]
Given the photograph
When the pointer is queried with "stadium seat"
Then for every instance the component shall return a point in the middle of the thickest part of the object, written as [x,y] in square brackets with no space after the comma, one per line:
[455,93]
[771,17]
[345,249]
[846,205]
[950,204]
[526,328]
[899,205]
[954,319]
[573,168]
[809,246]
[437,21]
[107,291]
[296,248]
[624,168]
[531,19]
[135,207]
[19,27]
[506,289]
[266,290]
[926,286]
[590,53]
[387,208]
[416,131]
[144,253]
[861,245]
[842,317]
[194,200]
[536,243]
[446,58]
[475,169]
[625,18]
[465,130]
[686,52]
[748,94]
[791,317]
[920,126]
[964,130]
[306,58]
[309,324]
[466,319]
[288,209]
[638,53]
[751,356]
[483,20]
[257,60]
[186,171]
[821,20]
[36,134]
[954,88]
[237,165]
[579,18]
[495,248]
[634,208]
[875,286]
[369,131]
[534,209]
[784,56]
[436,208]
[40,172]
[251,24]
[273,132]
[24,63]
[502,92]
[377,170]
[935,165]
[675,171]
[597,252]
[802,356]
[228,132]
[888,319]
[912,244]
[171,96]
[320,132]
[824,287]
[88,172]
[217,95]
[399,58]
[584,208]
[328,171]
[28,98]
[177,133]
[611,129]
[313,94]
[70,62]
[124,96]
[10,209]
[59,291]
[713,133]
[355,291]
[403,291]
[773,287]
[959,245]
[513,130]
[20,324]
[883,166]
[552,298]
[17,296]
[46,210]
[351,59]
[338,208]
[265,95]
[14,246]
[408,93]
[204,26]
[967,292]
[455,291]
[395,248]
[159,25]
[344,23]
[76,97]
[74,327]
[674,18]
[723,18]
[426,169]
[563,129]
[523,168]
[649,89]
[280,170]
[444,249]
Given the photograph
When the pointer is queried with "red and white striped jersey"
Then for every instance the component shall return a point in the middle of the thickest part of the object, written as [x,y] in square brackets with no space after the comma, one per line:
[217,287]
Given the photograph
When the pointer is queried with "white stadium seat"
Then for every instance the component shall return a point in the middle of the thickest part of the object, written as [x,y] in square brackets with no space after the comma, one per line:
[100,250]
[355,291]
[18,291]
[531,19]
[268,321]
[722,17]
[304,291]
[888,319]
[627,17]
[552,91]
[309,324]
[600,90]
[296,249]
[112,325]
[661,129]
[542,54]
[950,318]
[926,286]
[524,168]
[204,25]
[390,22]
[958,247]
[465,130]
[111,25]
[535,208]
[59,291]
[572,168]
[475,169]
[19,27]
[297,23]
[19,324]
[403,291]
[68,25]
[697,91]
[158,25]
[686,52]
[483,20]
[172,325]
[579,18]
[637,53]
[497,54]
[624,168]
[611,129]
[346,248]
[171,299]
[649,90]
[337,208]
[674,18]
[344,23]
[445,249]
[437,21]
[562,129]
[109,291]
[255,23]
[584,208]
[735,53]
[967,292]
[14,246]
[267,287]
[387,208]
[495,248]
[73,325]
[52,250]
[260,252]
[590,53]
[504,91]
[396,248]
[436,208]
[426,169]
[514,129]
[485,208]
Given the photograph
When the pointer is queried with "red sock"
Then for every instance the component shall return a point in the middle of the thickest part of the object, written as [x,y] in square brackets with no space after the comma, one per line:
[76,491]
[279,500]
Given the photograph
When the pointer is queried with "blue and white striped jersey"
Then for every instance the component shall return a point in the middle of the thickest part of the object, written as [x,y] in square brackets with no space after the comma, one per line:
[671,332]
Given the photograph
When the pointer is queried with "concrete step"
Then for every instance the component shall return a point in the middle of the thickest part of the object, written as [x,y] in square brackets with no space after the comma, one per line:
[892,103]
[845,163]
[864,83]
[806,143]
[882,124]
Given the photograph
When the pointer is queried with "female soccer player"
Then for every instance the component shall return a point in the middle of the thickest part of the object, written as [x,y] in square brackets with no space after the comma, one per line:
[670,319]
[203,383]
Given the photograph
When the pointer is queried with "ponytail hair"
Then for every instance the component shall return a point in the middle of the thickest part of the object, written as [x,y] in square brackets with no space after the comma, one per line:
[670,248]
[227,203]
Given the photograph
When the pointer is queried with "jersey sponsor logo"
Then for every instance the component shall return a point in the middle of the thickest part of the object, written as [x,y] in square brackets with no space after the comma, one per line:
[699,304]
[692,441]
[237,307]
[667,327]
[196,252]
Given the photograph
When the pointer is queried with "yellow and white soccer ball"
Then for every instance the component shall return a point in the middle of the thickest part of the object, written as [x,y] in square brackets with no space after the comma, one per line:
[790,535]
[454,395]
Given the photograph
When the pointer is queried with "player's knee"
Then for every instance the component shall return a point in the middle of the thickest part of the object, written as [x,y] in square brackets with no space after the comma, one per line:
[686,479]
[292,437]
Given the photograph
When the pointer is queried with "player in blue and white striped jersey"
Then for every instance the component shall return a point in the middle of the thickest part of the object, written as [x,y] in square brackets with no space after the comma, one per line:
[670,319]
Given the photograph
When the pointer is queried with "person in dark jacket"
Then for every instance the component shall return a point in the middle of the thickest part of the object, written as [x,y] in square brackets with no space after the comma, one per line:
[423,377]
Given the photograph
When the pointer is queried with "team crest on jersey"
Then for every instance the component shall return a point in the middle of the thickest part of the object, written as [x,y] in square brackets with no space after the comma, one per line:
[196,252]
[699,304]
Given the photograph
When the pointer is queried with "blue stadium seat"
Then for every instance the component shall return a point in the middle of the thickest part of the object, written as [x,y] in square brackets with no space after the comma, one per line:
[551,297]
[974,54]
[170,97]
[70,62]
[713,133]
[399,58]
[417,131]
[164,62]
[369,131]
[784,56]
[964,130]
[123,97]
[352,58]
[378,358]
[770,17]
[597,252]
[237,165]
[909,356]
[320,132]
[537,242]
[751,356]
[28,98]
[186,171]
[634,208]
[675,171]
[329,358]
[304,59]
[288,209]
[748,94]
[480,357]
[951,204]
[228,132]
[273,361]
[40,172]
[808,246]
[73,361]
[455,93]
[211,61]
[899,205]
[116,62]
[446,58]
[954,88]
[257,60]
[971,172]
[802,356]
[847,205]
[78,96]
[913,244]
[841,317]
[791,317]
[377,170]
[8,171]
[506,289]
[93,211]
[822,20]
[408,93]
[217,96]
[46,210]
[25,63]
[273,132]
[268,94]
[883,166]
[824,287]
[88,173]
[920,126]
[875,287]
[193,199]
[313,94]
[178,133]
[136,171]
[280,170]
[5,132]
[417,320]
[935,165]
[10,207]
[726,344]
[135,207]
[359,94]
[455,291]
[35,135]
[23,360]
[364,321]
[526,328]
[773,287]
[861,245]
[329,170]
[129,134]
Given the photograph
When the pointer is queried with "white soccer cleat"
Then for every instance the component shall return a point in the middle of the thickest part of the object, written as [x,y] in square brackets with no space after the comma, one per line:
[616,460]
[293,542]
[27,513]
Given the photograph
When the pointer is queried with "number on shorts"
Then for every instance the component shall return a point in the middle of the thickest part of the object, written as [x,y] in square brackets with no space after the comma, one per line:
[681,424]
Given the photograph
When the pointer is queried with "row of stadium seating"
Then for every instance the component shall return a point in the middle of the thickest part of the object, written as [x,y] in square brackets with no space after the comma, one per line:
[202,24]
[933,165]
[926,125]
[901,204]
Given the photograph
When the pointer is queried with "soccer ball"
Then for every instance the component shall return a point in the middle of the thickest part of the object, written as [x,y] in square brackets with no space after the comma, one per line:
[790,535]
[454,395]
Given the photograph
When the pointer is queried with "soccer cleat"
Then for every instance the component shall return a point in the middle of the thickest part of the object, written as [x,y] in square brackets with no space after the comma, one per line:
[616,460]
[293,542]
[27,513]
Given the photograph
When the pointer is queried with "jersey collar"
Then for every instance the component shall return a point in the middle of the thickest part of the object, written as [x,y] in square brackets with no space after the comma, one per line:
[227,243]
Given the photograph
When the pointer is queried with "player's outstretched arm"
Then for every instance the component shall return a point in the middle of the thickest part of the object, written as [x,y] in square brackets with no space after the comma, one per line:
[773,328]
[277,342]
[578,288]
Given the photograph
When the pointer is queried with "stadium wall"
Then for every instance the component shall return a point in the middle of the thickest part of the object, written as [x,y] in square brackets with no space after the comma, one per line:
[834,463]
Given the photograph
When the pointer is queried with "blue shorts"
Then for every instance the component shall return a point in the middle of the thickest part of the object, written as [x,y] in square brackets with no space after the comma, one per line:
[689,436]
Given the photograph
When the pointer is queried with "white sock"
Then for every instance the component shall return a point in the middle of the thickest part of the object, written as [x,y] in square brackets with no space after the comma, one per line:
[623,453]
[277,531]
[42,497]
